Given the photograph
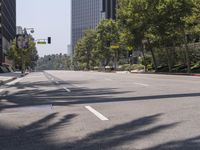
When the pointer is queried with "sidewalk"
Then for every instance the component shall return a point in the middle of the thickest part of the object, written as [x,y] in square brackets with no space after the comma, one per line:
[158,73]
[7,77]
[167,73]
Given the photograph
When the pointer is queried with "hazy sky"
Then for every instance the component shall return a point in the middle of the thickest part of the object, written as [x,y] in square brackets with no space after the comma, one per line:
[48,18]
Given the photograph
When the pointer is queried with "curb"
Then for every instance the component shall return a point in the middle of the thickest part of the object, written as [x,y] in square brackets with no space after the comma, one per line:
[6,81]
[196,75]
[178,74]
[12,79]
[158,73]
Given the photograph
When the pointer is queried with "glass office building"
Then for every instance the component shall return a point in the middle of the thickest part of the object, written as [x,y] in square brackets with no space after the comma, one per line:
[86,14]
[7,26]
[109,8]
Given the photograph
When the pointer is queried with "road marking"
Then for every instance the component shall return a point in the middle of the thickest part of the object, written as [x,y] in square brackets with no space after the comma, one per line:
[4,100]
[107,79]
[96,113]
[141,84]
[68,90]
[14,82]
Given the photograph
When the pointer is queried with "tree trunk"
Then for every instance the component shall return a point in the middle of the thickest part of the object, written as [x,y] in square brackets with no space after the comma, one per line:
[145,62]
[153,56]
[169,60]
[187,53]
[88,62]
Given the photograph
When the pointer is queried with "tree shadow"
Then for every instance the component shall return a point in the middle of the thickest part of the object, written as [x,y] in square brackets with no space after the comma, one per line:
[119,136]
[187,144]
[34,136]
[34,94]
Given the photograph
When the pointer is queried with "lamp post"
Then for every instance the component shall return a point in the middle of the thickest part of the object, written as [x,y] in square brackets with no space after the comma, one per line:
[22,42]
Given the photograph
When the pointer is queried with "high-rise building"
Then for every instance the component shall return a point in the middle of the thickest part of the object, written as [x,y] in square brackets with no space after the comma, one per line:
[86,14]
[109,8]
[7,26]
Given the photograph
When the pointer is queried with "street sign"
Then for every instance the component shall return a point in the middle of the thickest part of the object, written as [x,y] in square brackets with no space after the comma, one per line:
[130,48]
[114,46]
[41,42]
[22,41]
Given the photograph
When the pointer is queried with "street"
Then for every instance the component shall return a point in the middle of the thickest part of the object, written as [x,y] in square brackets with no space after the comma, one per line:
[69,110]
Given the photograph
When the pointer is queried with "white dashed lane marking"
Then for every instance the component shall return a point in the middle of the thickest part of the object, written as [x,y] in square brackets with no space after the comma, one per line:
[96,113]
[141,84]
[66,89]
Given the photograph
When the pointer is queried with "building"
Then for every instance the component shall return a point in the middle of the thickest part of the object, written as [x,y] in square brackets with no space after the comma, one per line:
[109,8]
[86,14]
[7,26]
[69,50]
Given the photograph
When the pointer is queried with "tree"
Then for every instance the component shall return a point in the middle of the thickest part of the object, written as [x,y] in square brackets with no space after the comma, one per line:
[135,20]
[107,35]
[54,62]
[24,57]
[164,24]
[84,50]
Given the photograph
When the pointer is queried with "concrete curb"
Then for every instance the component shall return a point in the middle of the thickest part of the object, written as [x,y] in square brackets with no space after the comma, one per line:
[12,79]
[157,73]
[6,81]
[162,73]
[196,75]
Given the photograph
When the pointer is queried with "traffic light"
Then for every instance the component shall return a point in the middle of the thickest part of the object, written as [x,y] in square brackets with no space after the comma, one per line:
[49,40]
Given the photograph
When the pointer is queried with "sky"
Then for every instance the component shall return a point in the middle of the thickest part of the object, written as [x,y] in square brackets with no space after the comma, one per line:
[49,18]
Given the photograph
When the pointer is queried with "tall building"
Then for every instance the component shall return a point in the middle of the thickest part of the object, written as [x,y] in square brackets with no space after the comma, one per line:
[7,26]
[86,14]
[109,8]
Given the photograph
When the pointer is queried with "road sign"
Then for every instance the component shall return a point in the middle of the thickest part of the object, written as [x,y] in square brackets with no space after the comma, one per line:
[41,42]
[130,48]
[114,46]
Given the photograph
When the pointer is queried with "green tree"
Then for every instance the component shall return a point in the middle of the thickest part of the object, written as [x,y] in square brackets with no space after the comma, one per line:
[24,57]
[107,35]
[84,50]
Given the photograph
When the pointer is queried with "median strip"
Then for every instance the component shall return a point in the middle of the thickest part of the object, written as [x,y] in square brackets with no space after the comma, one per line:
[96,113]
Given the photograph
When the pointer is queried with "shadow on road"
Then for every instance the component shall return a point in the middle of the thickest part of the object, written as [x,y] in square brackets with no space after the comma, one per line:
[32,94]
[35,136]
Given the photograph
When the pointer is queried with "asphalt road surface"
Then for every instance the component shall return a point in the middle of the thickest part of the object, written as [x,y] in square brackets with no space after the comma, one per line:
[63,110]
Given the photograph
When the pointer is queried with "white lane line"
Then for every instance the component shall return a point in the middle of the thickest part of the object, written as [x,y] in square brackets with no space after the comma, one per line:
[107,79]
[14,82]
[96,113]
[68,90]
[141,84]
[4,100]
